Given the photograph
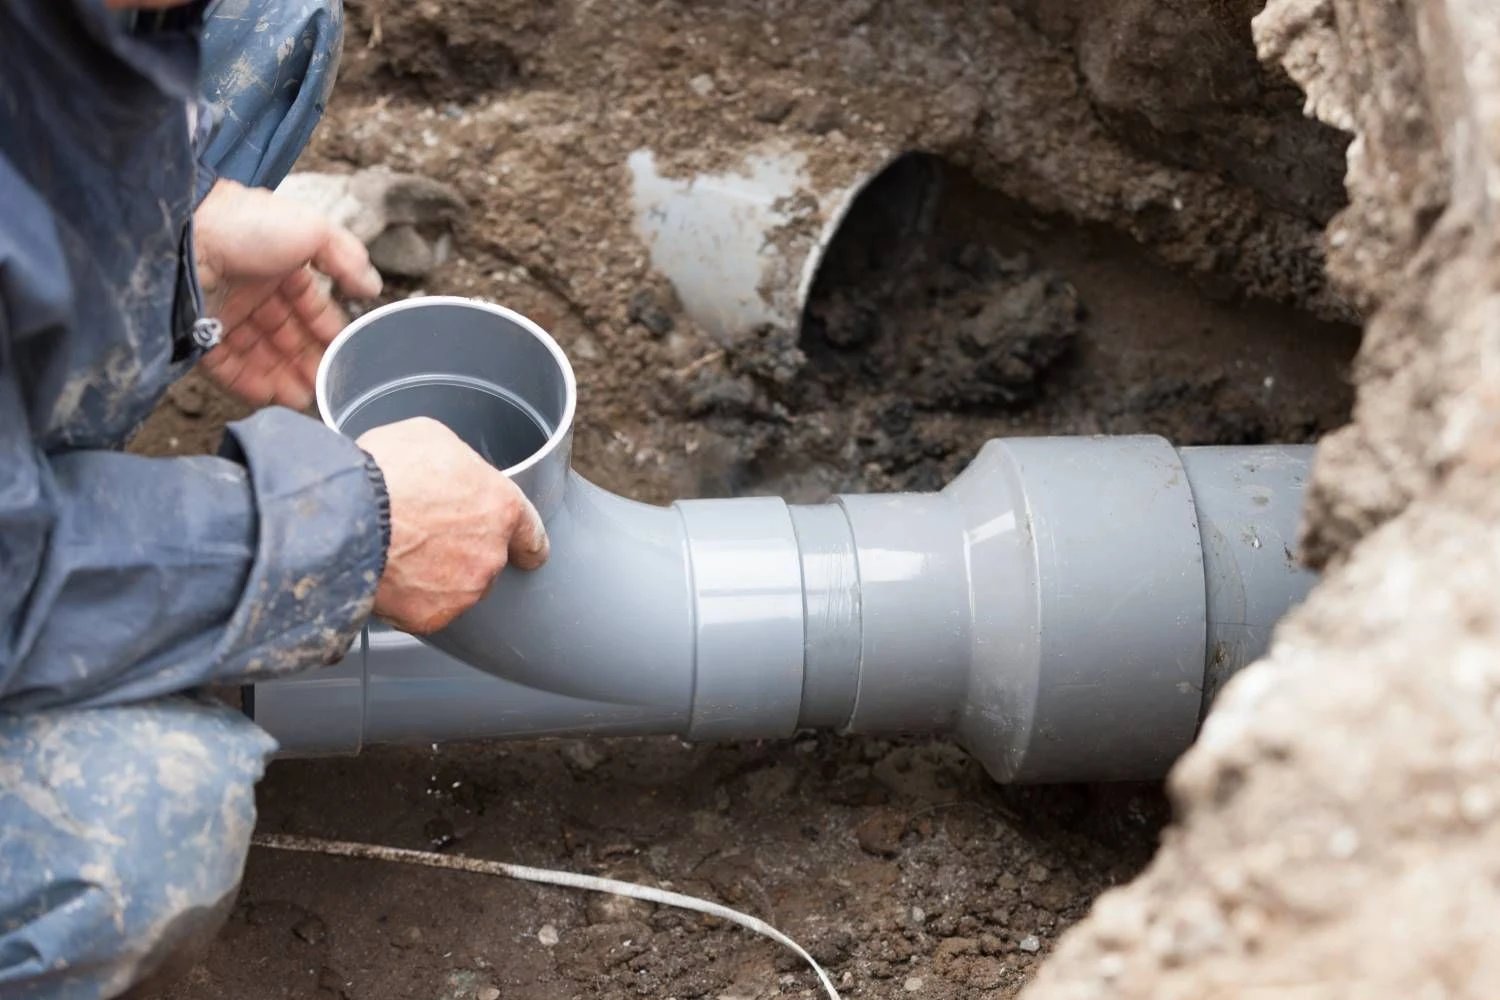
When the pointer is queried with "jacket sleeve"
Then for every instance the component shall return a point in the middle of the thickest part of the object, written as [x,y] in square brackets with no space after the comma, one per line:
[121,577]
[124,578]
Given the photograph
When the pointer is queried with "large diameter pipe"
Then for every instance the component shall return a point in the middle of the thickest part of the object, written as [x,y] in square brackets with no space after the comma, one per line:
[1066,607]
[742,246]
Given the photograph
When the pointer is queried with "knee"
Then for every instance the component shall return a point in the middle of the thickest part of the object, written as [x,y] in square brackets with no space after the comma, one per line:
[123,835]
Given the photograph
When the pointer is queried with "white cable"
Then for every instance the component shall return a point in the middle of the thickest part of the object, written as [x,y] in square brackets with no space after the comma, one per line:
[570,880]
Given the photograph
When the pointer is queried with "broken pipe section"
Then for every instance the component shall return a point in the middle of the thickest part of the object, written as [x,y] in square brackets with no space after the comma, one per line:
[741,246]
[1064,608]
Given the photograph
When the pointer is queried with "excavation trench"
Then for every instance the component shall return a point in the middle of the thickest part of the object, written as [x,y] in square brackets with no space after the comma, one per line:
[930,327]
[988,321]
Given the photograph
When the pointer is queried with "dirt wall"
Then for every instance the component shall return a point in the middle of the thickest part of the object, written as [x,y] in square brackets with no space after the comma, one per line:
[1337,832]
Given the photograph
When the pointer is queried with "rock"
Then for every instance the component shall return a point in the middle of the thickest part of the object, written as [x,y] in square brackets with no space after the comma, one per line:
[408,199]
[310,929]
[645,310]
[772,353]
[1018,336]
[405,219]
[460,984]
[583,754]
[585,348]
[715,393]
[832,947]
[403,252]
[1399,184]
[913,984]
[773,109]
[488,993]
[547,935]
[823,117]
[881,833]
[1030,944]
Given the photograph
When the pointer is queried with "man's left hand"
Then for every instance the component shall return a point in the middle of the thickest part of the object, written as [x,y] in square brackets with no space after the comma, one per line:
[259,257]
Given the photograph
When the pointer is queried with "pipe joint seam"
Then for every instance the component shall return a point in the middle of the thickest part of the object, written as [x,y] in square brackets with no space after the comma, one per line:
[747,621]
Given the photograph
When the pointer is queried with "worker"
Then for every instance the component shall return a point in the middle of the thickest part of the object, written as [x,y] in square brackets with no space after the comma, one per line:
[139,238]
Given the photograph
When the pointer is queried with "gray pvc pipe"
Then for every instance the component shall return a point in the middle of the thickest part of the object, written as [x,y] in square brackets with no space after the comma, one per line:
[1066,607]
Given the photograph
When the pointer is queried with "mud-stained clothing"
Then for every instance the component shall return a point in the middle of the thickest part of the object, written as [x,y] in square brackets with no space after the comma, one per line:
[125,837]
[125,581]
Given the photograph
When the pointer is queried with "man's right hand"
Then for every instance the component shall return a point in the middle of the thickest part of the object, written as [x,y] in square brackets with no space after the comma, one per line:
[456,522]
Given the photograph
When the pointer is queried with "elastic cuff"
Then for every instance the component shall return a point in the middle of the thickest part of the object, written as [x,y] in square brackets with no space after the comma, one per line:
[382,509]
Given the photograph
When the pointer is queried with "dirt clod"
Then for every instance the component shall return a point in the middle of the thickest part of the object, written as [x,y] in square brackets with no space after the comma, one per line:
[881,834]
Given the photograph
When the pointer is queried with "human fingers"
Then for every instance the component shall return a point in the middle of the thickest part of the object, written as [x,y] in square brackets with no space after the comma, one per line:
[344,258]
[253,368]
[284,329]
[314,308]
[456,523]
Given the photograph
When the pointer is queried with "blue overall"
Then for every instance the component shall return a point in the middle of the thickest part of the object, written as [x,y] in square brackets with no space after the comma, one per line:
[129,583]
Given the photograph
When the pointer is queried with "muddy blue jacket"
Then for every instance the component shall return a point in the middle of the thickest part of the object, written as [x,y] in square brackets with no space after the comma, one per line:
[124,578]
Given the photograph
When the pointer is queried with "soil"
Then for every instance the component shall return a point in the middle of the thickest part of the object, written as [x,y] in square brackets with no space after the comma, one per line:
[892,863]
[1087,270]
[1337,824]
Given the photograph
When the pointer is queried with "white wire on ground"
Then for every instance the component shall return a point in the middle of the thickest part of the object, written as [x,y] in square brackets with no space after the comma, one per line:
[570,880]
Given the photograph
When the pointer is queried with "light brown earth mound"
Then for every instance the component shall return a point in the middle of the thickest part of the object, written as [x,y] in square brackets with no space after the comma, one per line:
[1338,831]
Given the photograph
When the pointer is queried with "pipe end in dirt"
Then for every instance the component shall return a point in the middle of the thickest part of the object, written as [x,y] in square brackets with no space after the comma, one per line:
[742,246]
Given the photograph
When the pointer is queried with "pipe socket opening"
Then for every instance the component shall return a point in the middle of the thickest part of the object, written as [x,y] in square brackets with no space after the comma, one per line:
[492,376]
[882,223]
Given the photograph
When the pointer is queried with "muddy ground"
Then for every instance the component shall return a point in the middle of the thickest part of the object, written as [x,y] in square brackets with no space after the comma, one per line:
[1113,275]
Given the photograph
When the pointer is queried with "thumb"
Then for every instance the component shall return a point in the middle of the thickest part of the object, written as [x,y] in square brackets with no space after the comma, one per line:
[346,260]
[529,545]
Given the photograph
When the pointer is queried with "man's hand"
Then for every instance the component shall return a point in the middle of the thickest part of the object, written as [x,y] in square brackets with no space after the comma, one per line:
[257,256]
[455,523]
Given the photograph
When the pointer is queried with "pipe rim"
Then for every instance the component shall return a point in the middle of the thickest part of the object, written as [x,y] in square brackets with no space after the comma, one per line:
[560,434]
